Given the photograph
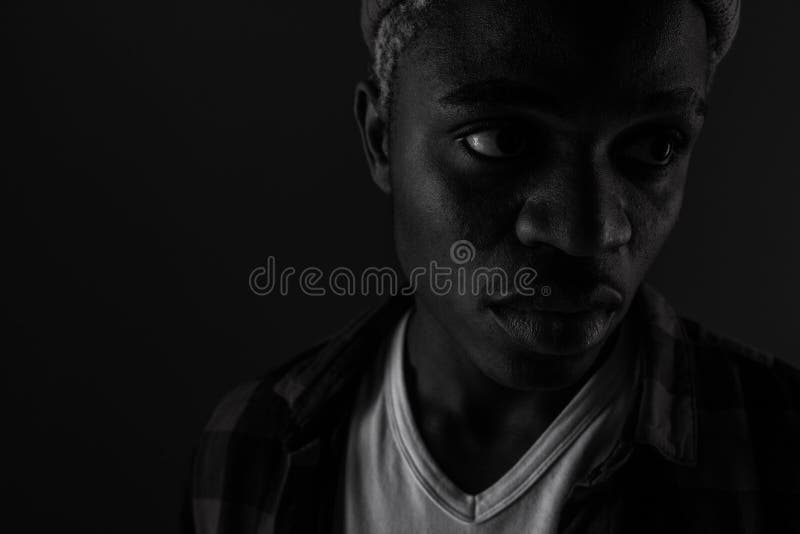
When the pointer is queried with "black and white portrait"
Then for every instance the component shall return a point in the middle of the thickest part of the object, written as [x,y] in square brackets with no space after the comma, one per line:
[403,266]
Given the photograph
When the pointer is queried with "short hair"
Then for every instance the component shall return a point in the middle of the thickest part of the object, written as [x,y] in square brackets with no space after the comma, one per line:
[392,29]
[395,32]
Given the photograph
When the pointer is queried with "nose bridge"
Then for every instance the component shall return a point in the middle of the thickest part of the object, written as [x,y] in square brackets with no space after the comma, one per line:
[577,207]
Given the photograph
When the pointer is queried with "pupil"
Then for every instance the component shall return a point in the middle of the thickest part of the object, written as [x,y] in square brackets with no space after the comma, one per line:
[661,150]
[510,141]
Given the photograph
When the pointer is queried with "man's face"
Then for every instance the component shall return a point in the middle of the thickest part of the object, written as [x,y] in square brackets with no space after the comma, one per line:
[552,135]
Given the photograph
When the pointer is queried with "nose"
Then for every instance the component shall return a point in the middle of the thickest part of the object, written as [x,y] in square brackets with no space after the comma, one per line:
[582,213]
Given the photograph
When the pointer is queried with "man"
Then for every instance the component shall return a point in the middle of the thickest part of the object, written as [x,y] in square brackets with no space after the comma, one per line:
[550,135]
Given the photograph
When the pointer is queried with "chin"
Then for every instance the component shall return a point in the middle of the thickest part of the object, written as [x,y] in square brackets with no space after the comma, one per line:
[545,334]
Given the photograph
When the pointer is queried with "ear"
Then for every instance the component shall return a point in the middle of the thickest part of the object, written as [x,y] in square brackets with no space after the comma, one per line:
[374,133]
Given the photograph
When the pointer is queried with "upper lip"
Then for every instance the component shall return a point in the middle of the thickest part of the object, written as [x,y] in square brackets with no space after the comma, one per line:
[601,296]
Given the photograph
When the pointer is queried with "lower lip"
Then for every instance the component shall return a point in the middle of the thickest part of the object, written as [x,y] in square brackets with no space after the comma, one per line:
[552,315]
[553,331]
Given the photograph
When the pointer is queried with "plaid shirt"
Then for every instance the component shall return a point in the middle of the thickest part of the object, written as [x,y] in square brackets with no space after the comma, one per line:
[712,447]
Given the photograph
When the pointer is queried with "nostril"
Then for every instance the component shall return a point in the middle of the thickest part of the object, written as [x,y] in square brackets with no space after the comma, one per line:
[574,231]
[617,234]
[613,225]
[533,224]
[525,230]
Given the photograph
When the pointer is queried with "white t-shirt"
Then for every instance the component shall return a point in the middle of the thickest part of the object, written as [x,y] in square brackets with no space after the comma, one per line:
[392,484]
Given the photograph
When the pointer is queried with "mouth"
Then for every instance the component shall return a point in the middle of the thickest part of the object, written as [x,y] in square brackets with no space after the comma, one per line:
[561,302]
[560,323]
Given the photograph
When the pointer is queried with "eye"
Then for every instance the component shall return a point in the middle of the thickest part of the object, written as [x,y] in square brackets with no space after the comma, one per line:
[654,150]
[498,143]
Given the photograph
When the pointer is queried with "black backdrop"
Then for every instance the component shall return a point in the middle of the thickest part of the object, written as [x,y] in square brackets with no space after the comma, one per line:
[159,151]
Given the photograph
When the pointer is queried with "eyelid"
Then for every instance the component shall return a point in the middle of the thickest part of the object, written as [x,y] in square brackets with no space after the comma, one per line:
[516,128]
[477,154]
[681,139]
[488,124]
[644,170]
[681,131]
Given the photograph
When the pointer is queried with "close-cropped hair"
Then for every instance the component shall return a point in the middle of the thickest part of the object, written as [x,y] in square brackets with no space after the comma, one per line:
[395,32]
[390,26]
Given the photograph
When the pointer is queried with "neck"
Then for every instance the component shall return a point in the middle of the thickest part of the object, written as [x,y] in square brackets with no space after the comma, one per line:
[443,381]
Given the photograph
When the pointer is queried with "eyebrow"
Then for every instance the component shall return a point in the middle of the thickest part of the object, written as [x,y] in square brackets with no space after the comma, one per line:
[511,93]
[501,92]
[670,99]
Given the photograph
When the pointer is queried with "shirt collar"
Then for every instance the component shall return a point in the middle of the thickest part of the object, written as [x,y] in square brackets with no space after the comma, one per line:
[667,412]
[317,387]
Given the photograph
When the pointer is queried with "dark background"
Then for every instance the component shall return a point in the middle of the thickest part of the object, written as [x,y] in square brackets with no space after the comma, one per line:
[159,151]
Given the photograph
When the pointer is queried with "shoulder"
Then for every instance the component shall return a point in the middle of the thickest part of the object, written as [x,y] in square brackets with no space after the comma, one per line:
[253,410]
[240,458]
[735,374]
[748,411]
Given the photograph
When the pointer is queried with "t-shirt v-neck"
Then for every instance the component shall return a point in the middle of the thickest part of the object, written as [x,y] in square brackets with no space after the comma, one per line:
[391,477]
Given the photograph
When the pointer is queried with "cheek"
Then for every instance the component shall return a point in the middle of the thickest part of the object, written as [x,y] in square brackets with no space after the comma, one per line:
[423,214]
[435,208]
[653,215]
[434,201]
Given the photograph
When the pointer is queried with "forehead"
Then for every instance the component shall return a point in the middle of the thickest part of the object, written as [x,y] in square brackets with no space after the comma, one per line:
[573,48]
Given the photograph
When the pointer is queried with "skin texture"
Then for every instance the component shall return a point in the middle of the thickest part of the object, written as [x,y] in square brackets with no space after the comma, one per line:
[551,134]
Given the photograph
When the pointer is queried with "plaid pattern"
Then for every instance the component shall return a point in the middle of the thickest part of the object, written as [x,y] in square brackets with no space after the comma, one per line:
[713,446]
